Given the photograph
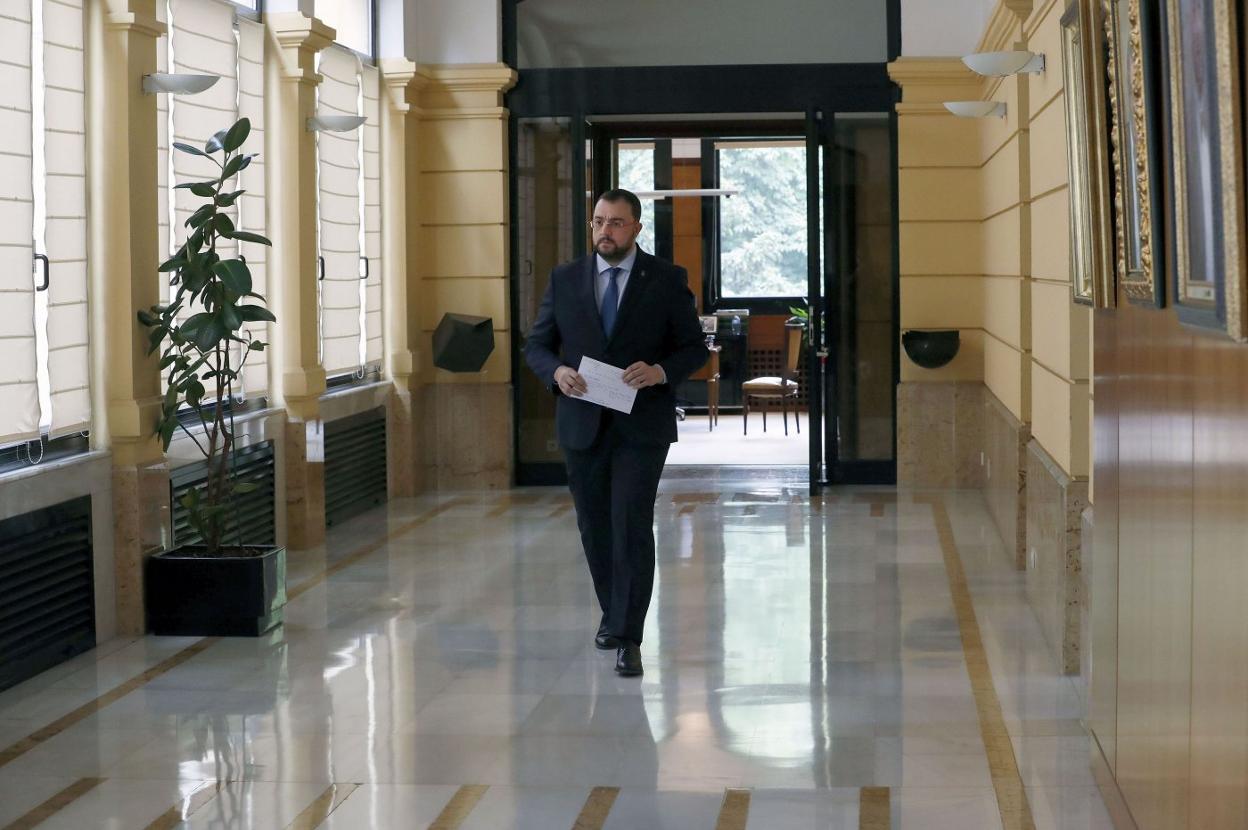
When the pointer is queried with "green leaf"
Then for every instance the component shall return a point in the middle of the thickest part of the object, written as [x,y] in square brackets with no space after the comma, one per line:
[210,335]
[195,323]
[236,135]
[235,275]
[228,199]
[256,346]
[256,314]
[204,190]
[242,488]
[186,148]
[214,144]
[200,216]
[234,165]
[166,432]
[173,263]
[147,319]
[248,236]
[230,318]
[224,225]
[189,185]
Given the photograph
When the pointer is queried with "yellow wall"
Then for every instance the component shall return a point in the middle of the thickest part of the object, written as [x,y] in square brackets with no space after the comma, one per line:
[984,233]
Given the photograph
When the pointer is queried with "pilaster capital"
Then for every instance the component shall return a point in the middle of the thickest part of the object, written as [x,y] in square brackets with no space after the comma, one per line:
[300,38]
[398,76]
[138,23]
[463,90]
[926,81]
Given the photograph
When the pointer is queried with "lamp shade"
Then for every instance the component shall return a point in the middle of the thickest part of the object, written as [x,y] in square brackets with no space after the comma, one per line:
[976,109]
[177,83]
[931,349]
[462,342]
[998,64]
[334,123]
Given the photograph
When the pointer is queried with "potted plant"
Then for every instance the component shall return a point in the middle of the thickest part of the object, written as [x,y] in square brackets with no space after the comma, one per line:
[222,585]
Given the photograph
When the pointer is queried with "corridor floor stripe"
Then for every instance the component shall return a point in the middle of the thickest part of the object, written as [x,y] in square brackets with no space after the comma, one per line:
[46,733]
[315,814]
[176,815]
[735,811]
[1011,796]
[55,804]
[874,810]
[56,727]
[458,808]
[597,808]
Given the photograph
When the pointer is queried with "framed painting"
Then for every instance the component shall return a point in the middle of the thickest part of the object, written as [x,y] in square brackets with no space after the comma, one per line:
[1206,162]
[1087,148]
[1132,68]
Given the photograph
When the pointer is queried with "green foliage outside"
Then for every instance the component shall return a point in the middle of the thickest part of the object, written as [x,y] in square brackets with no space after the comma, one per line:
[763,229]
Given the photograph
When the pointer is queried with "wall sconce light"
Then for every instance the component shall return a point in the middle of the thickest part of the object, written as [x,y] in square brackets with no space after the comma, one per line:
[976,109]
[334,123]
[177,83]
[1005,63]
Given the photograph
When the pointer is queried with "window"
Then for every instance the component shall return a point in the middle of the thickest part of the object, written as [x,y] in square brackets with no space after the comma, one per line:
[349,217]
[208,36]
[636,173]
[352,20]
[44,362]
[762,230]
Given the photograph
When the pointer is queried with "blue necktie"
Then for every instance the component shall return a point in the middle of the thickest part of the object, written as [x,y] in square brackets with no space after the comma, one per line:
[610,301]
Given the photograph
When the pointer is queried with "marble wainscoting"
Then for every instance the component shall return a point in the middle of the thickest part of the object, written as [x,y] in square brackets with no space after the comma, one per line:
[54,482]
[467,436]
[304,470]
[401,473]
[940,434]
[1005,475]
[1054,578]
[1087,524]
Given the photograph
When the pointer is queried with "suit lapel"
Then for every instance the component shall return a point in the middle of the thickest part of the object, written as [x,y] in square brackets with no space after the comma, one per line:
[633,294]
[586,297]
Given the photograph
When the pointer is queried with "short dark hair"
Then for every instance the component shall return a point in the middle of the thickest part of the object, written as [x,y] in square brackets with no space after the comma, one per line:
[618,194]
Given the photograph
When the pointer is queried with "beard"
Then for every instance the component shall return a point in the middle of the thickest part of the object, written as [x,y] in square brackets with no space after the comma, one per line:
[608,249]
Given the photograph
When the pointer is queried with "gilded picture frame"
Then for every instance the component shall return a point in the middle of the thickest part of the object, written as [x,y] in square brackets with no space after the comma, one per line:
[1202,86]
[1090,192]
[1132,68]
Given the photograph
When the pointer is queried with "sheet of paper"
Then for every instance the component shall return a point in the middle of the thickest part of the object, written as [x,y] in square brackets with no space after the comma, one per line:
[606,386]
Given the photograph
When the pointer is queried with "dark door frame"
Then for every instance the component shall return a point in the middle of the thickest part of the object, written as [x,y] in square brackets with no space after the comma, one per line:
[689,100]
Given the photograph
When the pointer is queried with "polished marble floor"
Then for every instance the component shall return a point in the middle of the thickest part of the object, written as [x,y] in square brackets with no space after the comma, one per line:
[804,669]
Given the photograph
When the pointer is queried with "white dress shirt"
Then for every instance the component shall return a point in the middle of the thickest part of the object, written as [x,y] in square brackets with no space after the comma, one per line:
[602,278]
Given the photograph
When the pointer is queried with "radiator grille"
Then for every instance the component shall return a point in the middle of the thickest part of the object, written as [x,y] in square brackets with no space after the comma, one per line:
[47,589]
[257,510]
[355,465]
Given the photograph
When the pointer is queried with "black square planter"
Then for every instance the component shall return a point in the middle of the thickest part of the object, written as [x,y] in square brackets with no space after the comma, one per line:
[232,596]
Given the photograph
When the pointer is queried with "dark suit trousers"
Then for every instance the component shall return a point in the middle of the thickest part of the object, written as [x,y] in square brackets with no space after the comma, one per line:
[614,484]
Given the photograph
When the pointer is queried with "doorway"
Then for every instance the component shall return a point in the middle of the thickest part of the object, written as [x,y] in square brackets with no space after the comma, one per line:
[786,226]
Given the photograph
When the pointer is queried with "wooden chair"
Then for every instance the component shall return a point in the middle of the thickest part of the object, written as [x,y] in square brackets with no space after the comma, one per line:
[784,387]
[712,388]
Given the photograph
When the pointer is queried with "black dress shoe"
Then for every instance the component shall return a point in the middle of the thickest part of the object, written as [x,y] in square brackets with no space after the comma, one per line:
[628,659]
[605,641]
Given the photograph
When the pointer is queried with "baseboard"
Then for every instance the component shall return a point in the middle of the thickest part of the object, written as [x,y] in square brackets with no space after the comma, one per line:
[1115,803]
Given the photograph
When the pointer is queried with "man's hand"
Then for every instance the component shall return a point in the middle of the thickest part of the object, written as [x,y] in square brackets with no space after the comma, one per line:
[570,382]
[641,375]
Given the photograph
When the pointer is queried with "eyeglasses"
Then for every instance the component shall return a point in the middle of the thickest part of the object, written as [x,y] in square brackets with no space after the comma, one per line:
[597,223]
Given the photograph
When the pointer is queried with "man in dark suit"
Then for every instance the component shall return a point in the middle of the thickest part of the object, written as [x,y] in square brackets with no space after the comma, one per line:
[624,307]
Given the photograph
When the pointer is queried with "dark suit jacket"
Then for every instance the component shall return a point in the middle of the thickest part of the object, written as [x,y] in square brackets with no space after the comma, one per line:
[657,323]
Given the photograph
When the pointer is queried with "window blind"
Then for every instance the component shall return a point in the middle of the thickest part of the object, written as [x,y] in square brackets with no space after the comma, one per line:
[19,385]
[338,172]
[372,215]
[251,206]
[65,151]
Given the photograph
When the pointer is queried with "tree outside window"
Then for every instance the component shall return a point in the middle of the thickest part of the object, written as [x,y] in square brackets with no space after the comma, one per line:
[763,229]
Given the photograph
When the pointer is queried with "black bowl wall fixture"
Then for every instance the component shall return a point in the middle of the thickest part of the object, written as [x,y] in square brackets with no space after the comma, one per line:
[462,343]
[931,349]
